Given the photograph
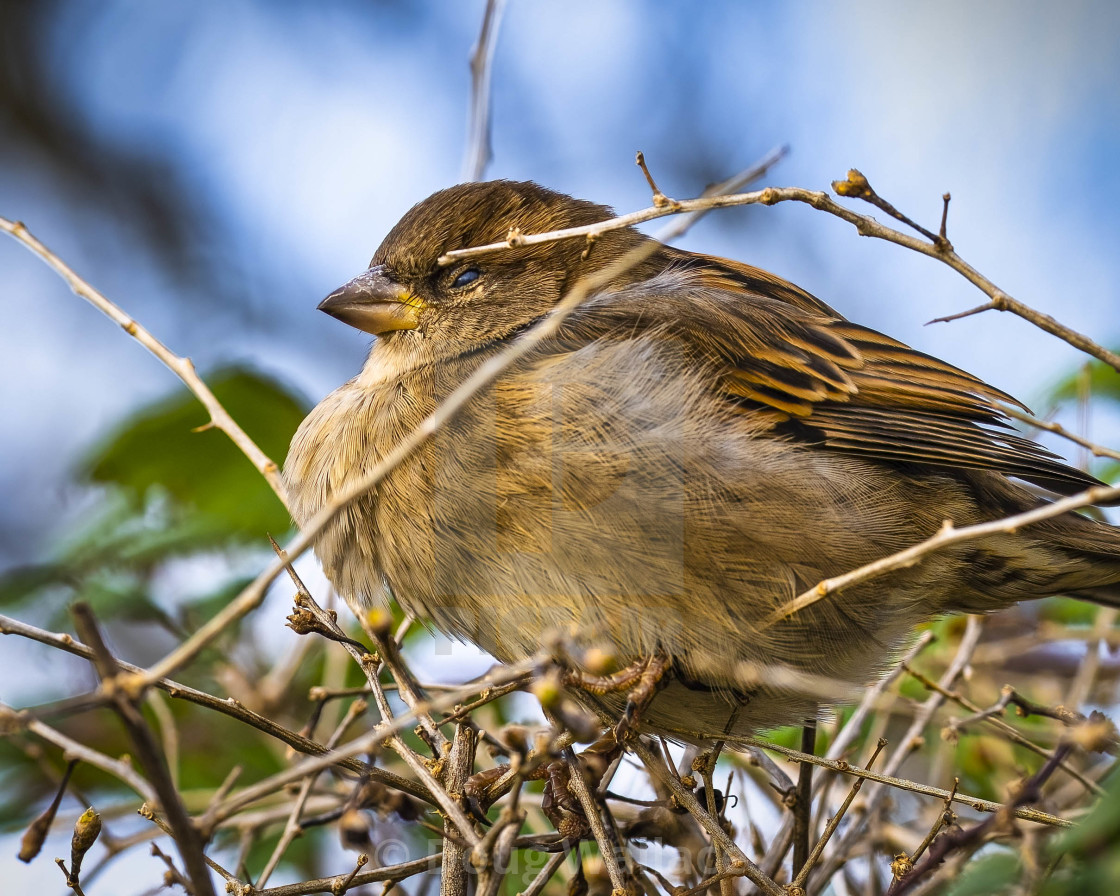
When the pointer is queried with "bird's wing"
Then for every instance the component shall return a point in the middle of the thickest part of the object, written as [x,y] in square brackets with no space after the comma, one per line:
[778,353]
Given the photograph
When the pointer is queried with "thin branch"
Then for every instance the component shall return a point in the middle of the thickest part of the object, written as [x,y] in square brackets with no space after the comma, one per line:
[830,827]
[393,873]
[460,766]
[688,801]
[366,742]
[1008,731]
[803,800]
[1056,428]
[123,771]
[864,225]
[181,367]
[608,850]
[975,835]
[228,706]
[946,536]
[292,827]
[185,833]
[479,151]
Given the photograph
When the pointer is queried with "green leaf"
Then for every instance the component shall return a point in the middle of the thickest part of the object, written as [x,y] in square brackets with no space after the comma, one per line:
[160,447]
[989,875]
[1094,379]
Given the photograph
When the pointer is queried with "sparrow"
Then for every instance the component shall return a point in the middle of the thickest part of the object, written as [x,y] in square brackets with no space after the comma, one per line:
[698,444]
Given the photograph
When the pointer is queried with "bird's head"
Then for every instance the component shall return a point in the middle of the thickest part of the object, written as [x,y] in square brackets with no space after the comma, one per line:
[407,293]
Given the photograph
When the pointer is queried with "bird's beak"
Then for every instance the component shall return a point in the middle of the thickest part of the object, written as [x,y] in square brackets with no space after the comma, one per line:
[374,303]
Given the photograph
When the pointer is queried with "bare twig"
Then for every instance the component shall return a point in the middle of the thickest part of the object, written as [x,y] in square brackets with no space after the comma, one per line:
[181,367]
[803,800]
[803,870]
[688,801]
[479,152]
[460,766]
[845,768]
[292,827]
[608,849]
[865,226]
[941,847]
[184,831]
[948,535]
[229,707]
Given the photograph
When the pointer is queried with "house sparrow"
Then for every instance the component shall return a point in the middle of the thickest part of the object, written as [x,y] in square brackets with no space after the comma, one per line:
[700,443]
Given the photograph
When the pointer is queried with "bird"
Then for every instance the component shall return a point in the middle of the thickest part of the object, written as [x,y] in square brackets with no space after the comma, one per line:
[698,443]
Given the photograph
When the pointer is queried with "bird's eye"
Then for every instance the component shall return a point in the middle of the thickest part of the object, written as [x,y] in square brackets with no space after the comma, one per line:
[466,277]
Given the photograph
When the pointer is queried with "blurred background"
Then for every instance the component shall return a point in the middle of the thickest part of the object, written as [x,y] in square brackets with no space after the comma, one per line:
[217,169]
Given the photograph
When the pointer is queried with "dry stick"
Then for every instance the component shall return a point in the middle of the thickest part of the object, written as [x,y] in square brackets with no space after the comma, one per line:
[975,835]
[944,818]
[1008,731]
[479,152]
[491,856]
[71,882]
[347,882]
[706,765]
[181,367]
[394,873]
[408,689]
[910,739]
[232,883]
[803,805]
[947,536]
[830,827]
[186,835]
[168,733]
[229,707]
[460,766]
[865,226]
[370,668]
[608,850]
[173,873]
[1056,428]
[845,768]
[856,186]
[545,874]
[292,827]
[72,749]
[365,743]
[688,801]
[389,656]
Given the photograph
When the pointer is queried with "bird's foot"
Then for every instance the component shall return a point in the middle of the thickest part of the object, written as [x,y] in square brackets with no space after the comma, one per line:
[641,679]
[560,804]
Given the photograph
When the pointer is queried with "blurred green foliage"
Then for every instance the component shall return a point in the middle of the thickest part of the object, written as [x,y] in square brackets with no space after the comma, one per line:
[1084,860]
[167,490]
[1097,382]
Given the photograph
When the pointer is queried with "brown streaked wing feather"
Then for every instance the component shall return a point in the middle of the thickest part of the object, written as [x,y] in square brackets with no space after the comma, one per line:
[714,272]
[779,352]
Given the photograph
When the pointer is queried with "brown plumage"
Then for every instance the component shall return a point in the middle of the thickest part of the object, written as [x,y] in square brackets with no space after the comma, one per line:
[699,444]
